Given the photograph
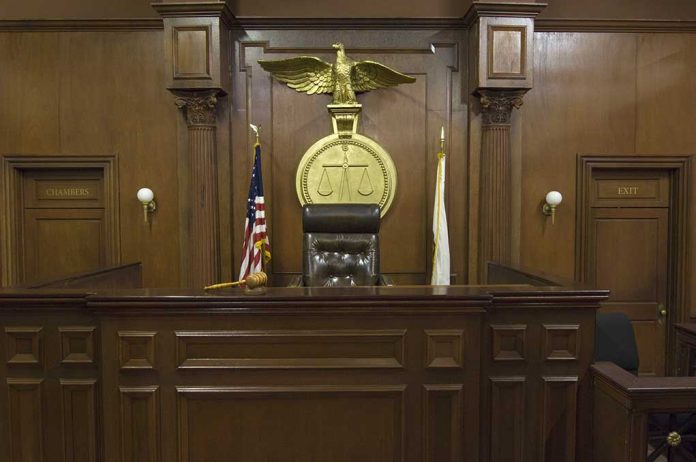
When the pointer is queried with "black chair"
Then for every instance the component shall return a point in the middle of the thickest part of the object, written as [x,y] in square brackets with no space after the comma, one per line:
[615,341]
[341,246]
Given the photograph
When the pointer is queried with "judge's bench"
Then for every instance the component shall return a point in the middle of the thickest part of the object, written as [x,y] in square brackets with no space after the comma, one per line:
[499,372]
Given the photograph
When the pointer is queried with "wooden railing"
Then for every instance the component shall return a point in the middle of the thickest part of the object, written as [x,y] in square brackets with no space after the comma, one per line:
[128,276]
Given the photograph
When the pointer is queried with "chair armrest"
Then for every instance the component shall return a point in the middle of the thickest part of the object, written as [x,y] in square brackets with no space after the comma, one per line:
[385,280]
[296,281]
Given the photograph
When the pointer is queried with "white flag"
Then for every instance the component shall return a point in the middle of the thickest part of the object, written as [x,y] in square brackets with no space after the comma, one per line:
[441,253]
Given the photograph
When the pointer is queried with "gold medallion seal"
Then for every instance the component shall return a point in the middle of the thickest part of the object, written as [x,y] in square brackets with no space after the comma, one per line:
[354,170]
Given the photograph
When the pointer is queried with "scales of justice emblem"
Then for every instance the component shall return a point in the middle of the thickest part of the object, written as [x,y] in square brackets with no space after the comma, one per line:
[344,167]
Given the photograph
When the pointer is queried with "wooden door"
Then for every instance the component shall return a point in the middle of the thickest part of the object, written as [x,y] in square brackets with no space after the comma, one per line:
[631,259]
[626,248]
[63,223]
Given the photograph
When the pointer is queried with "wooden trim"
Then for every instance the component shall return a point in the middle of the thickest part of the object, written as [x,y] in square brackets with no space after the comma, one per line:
[10,222]
[679,168]
[615,25]
[81,25]
[280,23]
[294,23]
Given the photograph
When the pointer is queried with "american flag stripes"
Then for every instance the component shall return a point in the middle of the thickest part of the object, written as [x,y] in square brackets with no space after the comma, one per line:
[257,248]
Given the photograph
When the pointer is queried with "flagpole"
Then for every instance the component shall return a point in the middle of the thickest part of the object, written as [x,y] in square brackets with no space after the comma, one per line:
[257,144]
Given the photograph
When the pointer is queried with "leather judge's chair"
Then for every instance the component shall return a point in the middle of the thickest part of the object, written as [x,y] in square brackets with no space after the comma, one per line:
[341,245]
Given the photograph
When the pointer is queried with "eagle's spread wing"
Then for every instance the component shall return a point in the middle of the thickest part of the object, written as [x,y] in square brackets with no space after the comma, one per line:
[369,75]
[303,73]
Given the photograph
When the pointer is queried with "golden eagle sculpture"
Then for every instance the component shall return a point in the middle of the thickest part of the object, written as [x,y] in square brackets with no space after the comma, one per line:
[344,78]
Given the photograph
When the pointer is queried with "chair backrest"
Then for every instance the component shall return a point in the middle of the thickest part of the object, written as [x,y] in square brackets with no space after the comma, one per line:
[341,245]
[615,341]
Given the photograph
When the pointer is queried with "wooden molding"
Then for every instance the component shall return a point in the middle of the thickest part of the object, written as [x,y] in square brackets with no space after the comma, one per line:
[280,23]
[195,10]
[81,25]
[614,25]
[286,349]
[510,10]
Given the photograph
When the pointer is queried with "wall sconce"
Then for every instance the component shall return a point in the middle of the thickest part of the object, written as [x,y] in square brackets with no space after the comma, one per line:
[147,198]
[553,198]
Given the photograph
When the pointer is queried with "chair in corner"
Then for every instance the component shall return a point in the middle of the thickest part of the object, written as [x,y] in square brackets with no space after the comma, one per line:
[637,418]
[340,246]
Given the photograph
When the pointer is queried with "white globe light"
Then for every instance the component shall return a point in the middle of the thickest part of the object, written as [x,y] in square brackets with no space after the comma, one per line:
[145,195]
[554,198]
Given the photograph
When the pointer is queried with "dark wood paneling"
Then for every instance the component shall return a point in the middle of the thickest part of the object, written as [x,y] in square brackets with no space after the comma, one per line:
[373,415]
[110,99]
[559,420]
[444,348]
[443,441]
[283,349]
[26,419]
[507,414]
[508,342]
[584,92]
[77,345]
[24,345]
[79,420]
[406,121]
[137,350]
[140,424]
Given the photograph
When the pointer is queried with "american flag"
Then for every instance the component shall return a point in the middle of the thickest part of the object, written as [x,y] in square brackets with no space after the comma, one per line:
[257,247]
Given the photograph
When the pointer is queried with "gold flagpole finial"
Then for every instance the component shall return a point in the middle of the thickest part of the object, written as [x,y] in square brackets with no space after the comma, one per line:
[442,141]
[256,129]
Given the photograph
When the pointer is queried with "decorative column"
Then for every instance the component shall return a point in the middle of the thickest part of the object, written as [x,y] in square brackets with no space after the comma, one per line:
[199,109]
[501,38]
[196,57]
[495,206]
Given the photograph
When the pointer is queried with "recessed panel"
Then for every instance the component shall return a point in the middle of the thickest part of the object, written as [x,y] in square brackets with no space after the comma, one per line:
[136,349]
[291,424]
[288,349]
[507,414]
[508,342]
[25,420]
[140,424]
[506,53]
[77,345]
[561,342]
[24,346]
[443,423]
[444,348]
[191,48]
[558,422]
[79,420]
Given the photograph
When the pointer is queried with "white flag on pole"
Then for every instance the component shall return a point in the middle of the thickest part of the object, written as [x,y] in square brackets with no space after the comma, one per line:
[441,253]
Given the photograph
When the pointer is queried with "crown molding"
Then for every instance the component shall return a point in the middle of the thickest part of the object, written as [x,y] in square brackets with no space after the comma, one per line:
[281,23]
[195,10]
[615,25]
[512,9]
[81,25]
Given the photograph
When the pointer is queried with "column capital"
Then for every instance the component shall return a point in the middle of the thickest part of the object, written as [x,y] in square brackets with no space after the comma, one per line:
[497,106]
[199,107]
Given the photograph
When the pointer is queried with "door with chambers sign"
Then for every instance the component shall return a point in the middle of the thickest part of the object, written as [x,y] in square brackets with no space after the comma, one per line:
[625,246]
[63,221]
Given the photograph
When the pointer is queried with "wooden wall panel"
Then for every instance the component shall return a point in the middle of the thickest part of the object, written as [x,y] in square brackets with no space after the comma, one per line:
[79,420]
[26,419]
[406,120]
[599,93]
[100,93]
[582,102]
[319,417]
